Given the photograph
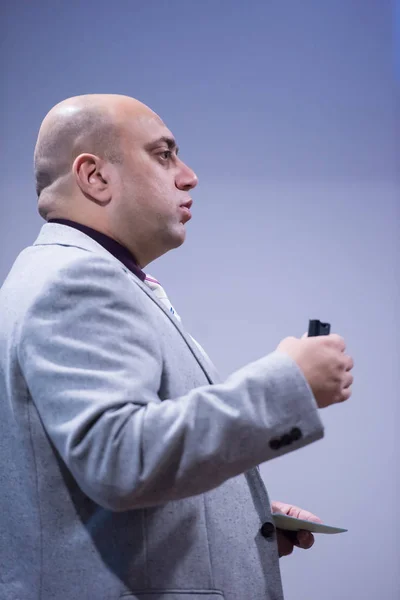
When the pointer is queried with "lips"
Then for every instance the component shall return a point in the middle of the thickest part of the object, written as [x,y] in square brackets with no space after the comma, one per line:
[185,209]
[187,204]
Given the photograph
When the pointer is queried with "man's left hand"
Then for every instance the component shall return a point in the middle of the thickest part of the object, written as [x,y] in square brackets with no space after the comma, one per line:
[288,539]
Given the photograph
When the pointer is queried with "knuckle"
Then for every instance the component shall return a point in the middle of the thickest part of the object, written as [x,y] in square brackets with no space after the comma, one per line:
[337,378]
[346,394]
[337,340]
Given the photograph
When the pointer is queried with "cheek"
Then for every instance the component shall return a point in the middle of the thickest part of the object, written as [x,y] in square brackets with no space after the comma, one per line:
[149,189]
[158,194]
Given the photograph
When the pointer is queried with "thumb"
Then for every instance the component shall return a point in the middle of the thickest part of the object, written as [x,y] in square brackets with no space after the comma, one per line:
[305,335]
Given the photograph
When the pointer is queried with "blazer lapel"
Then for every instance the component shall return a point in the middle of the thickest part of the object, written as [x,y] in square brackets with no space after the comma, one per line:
[205,363]
[56,234]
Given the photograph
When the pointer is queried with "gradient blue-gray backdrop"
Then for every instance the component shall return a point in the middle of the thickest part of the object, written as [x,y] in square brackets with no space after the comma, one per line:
[287,110]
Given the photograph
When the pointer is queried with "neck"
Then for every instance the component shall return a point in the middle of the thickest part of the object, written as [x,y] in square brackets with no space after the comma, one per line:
[143,253]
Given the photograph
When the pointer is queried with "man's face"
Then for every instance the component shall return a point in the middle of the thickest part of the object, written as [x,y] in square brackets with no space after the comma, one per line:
[154,196]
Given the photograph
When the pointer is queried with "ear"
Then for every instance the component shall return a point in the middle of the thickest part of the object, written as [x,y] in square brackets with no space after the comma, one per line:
[93,177]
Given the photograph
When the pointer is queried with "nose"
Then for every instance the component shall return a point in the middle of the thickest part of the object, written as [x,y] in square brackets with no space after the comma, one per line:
[186,178]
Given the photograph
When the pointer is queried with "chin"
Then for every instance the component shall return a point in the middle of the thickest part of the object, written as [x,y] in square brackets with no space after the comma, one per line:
[179,236]
[178,241]
[174,237]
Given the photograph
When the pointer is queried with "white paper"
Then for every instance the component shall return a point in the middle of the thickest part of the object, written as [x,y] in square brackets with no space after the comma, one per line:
[293,524]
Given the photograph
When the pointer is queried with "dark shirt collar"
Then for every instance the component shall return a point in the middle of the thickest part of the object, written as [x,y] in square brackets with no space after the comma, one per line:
[114,247]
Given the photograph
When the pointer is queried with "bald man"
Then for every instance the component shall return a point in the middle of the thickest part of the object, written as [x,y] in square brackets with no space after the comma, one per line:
[128,468]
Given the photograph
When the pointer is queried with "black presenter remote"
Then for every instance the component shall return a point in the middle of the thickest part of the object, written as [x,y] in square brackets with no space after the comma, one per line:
[315,328]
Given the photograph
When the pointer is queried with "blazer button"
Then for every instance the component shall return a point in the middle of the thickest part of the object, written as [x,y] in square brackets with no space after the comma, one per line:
[267,530]
[286,440]
[296,434]
[275,444]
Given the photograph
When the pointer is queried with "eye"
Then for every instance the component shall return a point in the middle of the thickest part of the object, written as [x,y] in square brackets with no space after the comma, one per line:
[165,154]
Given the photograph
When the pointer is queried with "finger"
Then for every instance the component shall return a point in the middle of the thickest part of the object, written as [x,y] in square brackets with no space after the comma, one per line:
[337,341]
[299,513]
[308,516]
[345,394]
[291,536]
[285,543]
[347,380]
[280,507]
[349,363]
[305,539]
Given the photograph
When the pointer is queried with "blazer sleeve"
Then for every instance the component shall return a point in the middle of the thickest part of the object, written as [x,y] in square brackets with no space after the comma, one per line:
[92,362]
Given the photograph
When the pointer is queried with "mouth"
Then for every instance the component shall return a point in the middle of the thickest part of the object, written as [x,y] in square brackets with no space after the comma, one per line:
[185,210]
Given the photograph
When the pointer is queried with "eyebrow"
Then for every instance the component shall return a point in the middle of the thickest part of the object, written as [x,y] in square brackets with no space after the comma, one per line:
[169,141]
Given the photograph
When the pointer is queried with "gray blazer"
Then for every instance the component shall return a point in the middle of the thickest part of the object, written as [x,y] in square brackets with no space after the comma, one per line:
[128,469]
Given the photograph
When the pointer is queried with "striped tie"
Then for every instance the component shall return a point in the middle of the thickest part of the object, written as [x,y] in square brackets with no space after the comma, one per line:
[161,294]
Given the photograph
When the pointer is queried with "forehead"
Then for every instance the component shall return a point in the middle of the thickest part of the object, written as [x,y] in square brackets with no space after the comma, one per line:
[146,128]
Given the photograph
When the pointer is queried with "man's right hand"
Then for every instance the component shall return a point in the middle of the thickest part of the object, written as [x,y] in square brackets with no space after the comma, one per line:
[324,364]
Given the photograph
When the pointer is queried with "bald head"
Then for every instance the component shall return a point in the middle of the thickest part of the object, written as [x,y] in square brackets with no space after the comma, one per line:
[84,124]
[109,162]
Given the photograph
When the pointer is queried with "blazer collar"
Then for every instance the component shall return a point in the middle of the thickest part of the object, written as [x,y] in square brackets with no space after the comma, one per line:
[63,235]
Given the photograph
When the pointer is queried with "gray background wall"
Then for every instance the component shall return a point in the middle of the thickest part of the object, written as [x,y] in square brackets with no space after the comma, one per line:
[287,112]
